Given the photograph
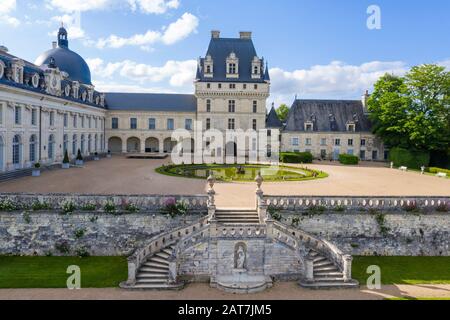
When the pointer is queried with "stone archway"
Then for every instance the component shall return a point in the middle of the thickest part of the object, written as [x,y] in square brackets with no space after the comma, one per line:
[133,145]
[169,144]
[152,145]
[115,145]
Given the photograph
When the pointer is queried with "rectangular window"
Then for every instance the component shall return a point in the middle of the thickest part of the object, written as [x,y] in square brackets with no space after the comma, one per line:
[350,152]
[90,122]
[362,155]
[255,124]
[52,118]
[232,86]
[363,142]
[255,106]
[82,121]
[375,155]
[18,115]
[75,121]
[208,85]
[269,133]
[295,142]
[208,124]
[188,124]
[256,87]
[115,123]
[231,106]
[152,124]
[170,124]
[232,68]
[231,124]
[65,120]
[219,86]
[308,141]
[337,142]
[309,127]
[323,142]
[245,86]
[96,123]
[350,142]
[33,117]
[133,123]
[208,105]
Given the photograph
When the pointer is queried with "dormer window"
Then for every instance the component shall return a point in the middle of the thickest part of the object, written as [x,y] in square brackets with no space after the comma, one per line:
[17,67]
[309,126]
[75,89]
[351,127]
[256,68]
[232,66]
[209,67]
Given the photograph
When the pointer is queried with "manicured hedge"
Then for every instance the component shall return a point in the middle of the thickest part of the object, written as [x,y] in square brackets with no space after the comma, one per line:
[296,157]
[348,159]
[437,170]
[409,158]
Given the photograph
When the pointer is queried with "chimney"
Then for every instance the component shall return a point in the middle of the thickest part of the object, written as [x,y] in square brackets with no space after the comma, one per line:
[215,34]
[364,100]
[54,44]
[245,35]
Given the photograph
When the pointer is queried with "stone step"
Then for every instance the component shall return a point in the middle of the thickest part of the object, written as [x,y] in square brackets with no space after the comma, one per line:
[330,285]
[320,259]
[154,264]
[158,259]
[329,268]
[151,275]
[328,274]
[168,251]
[237,215]
[162,255]
[156,270]
[329,279]
[152,286]
[324,263]
[152,281]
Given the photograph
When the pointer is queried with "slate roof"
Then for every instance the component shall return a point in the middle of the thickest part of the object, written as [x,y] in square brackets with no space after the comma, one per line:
[327,115]
[151,102]
[220,48]
[272,120]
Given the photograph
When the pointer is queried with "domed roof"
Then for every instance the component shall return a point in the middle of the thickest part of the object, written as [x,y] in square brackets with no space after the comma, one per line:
[66,60]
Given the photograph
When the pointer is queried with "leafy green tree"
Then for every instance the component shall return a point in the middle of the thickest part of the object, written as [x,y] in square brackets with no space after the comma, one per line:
[413,111]
[282,112]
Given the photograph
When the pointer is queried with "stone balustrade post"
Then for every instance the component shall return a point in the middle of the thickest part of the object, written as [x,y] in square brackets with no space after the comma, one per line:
[309,269]
[347,267]
[211,197]
[131,274]
[173,270]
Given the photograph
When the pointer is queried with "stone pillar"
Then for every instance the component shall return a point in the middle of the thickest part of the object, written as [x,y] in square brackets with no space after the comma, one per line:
[131,274]
[309,269]
[211,198]
[347,268]
[124,145]
[261,207]
[161,145]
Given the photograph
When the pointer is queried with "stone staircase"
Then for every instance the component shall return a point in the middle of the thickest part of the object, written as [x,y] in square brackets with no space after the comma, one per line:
[154,273]
[327,275]
[16,174]
[237,216]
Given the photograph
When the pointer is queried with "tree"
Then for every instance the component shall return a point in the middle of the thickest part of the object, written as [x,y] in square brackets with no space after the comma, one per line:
[412,112]
[282,112]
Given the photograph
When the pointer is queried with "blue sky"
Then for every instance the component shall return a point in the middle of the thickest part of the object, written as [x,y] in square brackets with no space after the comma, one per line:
[316,49]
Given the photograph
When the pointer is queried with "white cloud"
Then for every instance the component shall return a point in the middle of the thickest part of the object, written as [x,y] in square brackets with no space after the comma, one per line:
[71,6]
[177,74]
[336,80]
[6,8]
[72,23]
[154,6]
[175,32]
[445,63]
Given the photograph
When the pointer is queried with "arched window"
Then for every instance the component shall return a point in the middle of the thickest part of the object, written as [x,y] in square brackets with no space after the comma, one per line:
[74,145]
[65,143]
[2,145]
[82,144]
[95,143]
[33,148]
[17,151]
[51,147]
[89,143]
[102,144]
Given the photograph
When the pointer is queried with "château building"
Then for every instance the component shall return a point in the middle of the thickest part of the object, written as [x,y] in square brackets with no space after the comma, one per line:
[51,106]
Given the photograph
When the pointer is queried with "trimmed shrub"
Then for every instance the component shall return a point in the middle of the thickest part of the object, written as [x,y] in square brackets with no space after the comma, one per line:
[409,158]
[348,159]
[437,170]
[66,157]
[296,157]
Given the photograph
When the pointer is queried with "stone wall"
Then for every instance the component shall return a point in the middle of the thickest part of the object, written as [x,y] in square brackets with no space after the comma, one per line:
[407,234]
[98,233]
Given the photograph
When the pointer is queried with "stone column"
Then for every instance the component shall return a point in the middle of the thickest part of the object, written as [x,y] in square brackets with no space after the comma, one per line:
[161,145]
[309,268]
[131,274]
[124,145]
[347,268]
[211,198]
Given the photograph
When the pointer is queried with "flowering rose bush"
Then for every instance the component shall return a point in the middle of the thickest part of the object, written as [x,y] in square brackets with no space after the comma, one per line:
[174,208]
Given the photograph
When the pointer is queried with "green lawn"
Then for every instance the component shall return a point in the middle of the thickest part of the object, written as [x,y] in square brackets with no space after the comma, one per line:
[50,272]
[405,270]
[107,272]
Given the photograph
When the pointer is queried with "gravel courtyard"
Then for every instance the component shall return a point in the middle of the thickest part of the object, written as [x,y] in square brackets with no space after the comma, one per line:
[120,175]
